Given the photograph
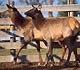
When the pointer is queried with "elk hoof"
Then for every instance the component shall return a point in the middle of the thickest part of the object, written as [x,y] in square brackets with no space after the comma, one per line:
[15,60]
[61,61]
[66,64]
[39,64]
[52,65]
[45,64]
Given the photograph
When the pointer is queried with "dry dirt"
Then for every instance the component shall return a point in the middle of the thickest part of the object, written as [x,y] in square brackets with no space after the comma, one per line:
[34,66]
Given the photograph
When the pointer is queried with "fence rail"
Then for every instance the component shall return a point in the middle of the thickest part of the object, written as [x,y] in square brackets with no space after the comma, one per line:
[7,31]
[65,7]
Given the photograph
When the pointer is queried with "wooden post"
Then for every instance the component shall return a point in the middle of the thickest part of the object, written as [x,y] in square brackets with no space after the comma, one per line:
[50,2]
[68,3]
[70,13]
[12,51]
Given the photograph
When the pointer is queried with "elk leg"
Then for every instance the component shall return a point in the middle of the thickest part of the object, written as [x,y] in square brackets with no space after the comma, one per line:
[49,52]
[38,49]
[76,56]
[52,60]
[21,47]
[70,47]
[47,58]
[64,48]
[69,55]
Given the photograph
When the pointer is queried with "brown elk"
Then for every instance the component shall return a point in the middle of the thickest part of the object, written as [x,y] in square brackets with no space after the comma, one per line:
[55,29]
[37,34]
[26,27]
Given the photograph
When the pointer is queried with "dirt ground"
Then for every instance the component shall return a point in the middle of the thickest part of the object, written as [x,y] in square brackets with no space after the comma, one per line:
[35,66]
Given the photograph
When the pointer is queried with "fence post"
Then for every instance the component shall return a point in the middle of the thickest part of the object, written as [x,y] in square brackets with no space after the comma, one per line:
[12,51]
[70,13]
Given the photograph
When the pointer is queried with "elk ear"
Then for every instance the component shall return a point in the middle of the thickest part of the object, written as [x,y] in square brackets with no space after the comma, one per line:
[33,6]
[39,6]
[8,6]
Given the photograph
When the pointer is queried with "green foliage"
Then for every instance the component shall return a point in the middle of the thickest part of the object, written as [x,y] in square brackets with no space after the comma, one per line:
[62,13]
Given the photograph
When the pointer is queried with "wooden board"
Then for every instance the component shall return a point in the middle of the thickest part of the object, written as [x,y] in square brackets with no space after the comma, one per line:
[65,7]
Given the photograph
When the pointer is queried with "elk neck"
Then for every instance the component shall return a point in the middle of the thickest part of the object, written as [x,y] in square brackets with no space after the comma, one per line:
[18,19]
[38,20]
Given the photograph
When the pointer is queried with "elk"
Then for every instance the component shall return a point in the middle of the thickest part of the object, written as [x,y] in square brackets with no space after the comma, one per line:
[17,19]
[56,29]
[26,27]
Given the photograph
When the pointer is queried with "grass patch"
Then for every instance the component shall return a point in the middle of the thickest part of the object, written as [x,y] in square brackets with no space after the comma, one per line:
[4,52]
[57,51]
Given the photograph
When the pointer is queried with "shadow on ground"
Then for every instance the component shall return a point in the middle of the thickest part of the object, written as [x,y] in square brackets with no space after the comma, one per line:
[34,66]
